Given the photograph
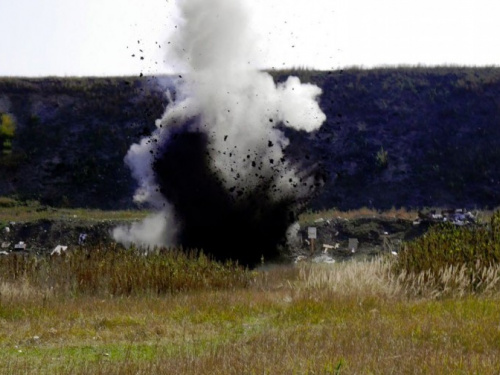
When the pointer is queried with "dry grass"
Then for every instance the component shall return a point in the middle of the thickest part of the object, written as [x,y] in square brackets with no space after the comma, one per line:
[364,212]
[13,210]
[348,318]
[27,214]
[378,279]
[115,271]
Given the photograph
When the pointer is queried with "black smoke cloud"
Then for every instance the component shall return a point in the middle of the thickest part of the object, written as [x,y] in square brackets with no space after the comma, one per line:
[242,225]
[216,167]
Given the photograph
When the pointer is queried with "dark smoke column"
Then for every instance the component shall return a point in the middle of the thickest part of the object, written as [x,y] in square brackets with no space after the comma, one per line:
[216,161]
[242,226]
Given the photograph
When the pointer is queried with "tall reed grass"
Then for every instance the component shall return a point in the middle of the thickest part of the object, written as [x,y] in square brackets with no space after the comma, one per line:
[117,272]
[470,254]
[377,278]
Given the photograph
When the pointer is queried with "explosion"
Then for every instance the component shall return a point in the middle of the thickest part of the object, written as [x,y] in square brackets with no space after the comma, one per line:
[215,167]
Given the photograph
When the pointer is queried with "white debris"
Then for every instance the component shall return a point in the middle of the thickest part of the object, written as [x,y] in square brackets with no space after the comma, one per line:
[327,247]
[320,220]
[20,246]
[323,259]
[4,253]
[300,258]
[6,230]
[353,244]
[394,253]
[82,238]
[59,249]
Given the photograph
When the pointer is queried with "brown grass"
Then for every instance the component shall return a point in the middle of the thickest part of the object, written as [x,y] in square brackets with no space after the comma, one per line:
[348,318]
[33,213]
[364,212]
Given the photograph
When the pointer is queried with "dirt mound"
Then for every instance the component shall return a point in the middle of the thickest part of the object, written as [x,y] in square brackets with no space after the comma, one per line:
[357,238]
[336,237]
[43,236]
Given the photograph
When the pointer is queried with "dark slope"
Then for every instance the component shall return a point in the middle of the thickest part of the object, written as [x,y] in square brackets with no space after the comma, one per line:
[72,135]
[439,128]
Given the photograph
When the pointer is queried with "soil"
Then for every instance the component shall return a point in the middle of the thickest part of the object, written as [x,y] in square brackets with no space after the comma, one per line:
[43,236]
[374,235]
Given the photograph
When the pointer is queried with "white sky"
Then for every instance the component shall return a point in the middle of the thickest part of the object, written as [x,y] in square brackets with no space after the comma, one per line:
[99,37]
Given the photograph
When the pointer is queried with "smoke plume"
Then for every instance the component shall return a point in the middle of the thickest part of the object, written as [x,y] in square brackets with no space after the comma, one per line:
[215,167]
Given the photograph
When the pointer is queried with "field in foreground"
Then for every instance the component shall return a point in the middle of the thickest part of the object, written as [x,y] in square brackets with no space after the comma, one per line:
[348,318]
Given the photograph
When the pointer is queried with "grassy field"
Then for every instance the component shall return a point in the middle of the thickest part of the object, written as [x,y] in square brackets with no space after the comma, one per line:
[13,210]
[106,310]
[346,318]
[25,211]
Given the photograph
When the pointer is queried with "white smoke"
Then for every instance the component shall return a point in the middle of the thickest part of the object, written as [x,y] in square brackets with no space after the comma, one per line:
[154,231]
[237,106]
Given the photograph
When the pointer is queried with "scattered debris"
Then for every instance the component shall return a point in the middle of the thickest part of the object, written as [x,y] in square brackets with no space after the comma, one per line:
[353,245]
[6,230]
[21,245]
[323,259]
[4,252]
[327,247]
[459,217]
[5,245]
[82,238]
[59,249]
[300,258]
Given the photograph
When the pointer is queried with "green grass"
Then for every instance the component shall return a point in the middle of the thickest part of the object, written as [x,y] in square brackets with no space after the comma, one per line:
[467,249]
[295,327]
[309,217]
[116,271]
[112,311]
[26,211]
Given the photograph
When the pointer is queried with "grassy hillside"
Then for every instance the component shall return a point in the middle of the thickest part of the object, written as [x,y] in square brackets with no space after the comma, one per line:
[408,137]
[72,135]
[402,137]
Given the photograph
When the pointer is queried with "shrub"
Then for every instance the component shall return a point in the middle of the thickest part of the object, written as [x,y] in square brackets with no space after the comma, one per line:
[7,131]
[446,245]
[8,202]
[382,158]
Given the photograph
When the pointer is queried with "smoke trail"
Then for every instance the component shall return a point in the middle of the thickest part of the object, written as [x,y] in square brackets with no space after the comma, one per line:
[217,156]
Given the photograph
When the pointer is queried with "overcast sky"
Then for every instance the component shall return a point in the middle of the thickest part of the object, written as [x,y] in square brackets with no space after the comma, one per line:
[99,37]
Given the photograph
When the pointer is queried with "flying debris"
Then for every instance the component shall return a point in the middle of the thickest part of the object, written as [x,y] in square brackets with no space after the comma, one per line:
[215,167]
